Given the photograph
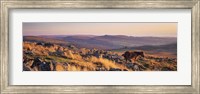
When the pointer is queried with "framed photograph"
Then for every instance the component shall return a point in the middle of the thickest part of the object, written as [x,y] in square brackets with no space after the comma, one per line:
[86,46]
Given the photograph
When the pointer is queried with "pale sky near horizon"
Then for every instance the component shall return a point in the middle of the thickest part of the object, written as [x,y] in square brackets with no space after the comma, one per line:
[128,29]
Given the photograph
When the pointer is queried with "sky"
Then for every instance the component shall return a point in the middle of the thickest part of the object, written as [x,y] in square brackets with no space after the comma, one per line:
[78,28]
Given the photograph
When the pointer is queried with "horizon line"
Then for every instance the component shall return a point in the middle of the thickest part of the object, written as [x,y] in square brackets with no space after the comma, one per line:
[102,35]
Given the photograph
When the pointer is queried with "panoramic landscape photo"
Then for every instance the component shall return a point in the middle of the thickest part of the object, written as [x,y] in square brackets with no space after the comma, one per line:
[99,46]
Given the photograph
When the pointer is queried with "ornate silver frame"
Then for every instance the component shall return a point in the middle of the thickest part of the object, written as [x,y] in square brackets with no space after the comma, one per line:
[6,5]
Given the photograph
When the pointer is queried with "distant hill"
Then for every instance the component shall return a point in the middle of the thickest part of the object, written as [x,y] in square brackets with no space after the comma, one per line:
[103,42]
[114,41]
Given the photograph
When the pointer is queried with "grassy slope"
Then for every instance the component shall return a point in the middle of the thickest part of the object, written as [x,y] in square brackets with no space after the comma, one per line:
[45,40]
[77,63]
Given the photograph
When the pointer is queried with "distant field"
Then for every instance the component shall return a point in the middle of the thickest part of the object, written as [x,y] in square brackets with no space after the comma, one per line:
[168,50]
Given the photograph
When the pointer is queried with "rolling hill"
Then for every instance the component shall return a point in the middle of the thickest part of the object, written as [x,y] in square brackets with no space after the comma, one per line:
[113,41]
[118,43]
[45,40]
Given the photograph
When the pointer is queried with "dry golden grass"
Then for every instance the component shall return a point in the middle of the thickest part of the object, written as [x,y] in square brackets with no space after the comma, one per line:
[73,68]
[59,68]
[77,63]
[87,65]
[28,46]
[105,62]
[38,49]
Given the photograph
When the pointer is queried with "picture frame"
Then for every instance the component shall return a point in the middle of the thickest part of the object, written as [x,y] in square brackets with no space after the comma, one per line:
[7,5]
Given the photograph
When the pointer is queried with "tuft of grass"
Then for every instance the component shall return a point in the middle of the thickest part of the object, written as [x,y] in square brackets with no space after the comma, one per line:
[59,68]
[105,62]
